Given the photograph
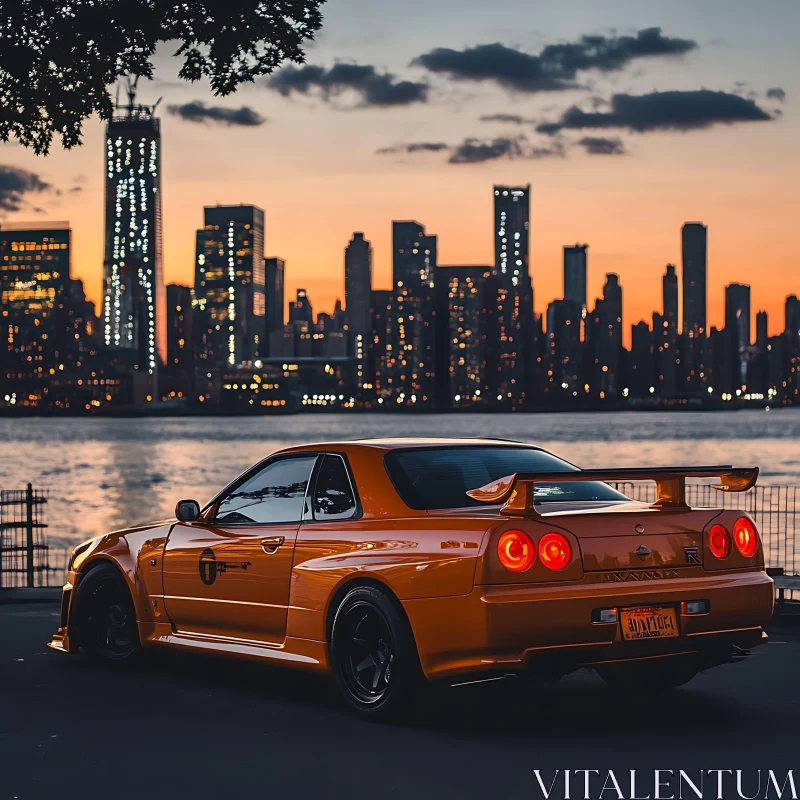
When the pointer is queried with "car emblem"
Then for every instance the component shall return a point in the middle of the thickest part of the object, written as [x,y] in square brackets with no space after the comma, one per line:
[692,555]
[639,527]
[643,552]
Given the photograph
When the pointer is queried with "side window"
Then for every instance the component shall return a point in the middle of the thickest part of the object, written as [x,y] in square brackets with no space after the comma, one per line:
[275,494]
[333,497]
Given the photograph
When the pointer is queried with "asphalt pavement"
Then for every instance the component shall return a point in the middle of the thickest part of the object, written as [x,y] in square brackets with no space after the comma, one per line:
[186,726]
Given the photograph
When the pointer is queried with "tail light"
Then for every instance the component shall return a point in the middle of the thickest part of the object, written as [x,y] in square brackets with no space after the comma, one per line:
[745,537]
[516,551]
[554,551]
[719,541]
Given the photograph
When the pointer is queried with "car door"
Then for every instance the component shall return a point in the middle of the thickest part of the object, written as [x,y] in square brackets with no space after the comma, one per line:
[228,573]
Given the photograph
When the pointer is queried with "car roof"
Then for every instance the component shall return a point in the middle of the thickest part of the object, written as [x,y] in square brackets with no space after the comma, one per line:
[407,442]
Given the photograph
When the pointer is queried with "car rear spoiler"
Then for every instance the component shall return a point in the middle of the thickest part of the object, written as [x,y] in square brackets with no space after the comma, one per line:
[517,491]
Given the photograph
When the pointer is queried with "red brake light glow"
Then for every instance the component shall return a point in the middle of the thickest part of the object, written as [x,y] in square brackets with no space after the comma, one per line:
[516,551]
[719,541]
[554,551]
[745,537]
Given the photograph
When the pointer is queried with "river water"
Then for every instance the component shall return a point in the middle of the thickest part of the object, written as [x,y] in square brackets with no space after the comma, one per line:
[104,474]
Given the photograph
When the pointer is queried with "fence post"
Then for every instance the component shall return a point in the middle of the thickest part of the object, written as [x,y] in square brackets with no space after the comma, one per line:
[29,535]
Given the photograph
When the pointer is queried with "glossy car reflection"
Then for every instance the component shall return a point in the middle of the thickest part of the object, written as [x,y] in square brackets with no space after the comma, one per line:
[387,562]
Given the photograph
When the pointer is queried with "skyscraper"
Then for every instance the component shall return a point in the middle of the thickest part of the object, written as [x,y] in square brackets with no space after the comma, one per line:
[134,299]
[665,334]
[694,249]
[229,285]
[407,368]
[791,314]
[640,374]
[575,275]
[179,329]
[604,335]
[512,320]
[34,271]
[34,279]
[737,330]
[512,206]
[669,294]
[762,329]
[413,258]
[564,346]
[461,345]
[737,314]
[358,285]
[275,276]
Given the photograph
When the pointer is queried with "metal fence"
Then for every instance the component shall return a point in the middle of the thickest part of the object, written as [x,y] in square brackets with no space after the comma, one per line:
[24,554]
[774,509]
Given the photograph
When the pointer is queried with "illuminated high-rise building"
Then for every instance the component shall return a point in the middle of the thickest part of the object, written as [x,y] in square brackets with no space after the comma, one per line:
[512,319]
[512,209]
[406,370]
[34,277]
[34,271]
[229,287]
[134,298]
[564,347]
[462,346]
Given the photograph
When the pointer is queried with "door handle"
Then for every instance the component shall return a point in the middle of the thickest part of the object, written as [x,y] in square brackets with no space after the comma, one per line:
[272,543]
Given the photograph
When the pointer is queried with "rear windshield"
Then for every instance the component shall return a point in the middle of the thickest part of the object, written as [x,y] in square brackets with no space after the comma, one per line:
[440,477]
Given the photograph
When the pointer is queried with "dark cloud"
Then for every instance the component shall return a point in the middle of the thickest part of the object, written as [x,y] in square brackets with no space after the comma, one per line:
[511,68]
[475,151]
[556,67]
[415,147]
[197,111]
[602,146]
[608,54]
[675,110]
[15,183]
[75,189]
[376,88]
[512,119]
[776,93]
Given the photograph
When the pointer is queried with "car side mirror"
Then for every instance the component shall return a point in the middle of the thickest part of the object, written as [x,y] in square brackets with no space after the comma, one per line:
[187,510]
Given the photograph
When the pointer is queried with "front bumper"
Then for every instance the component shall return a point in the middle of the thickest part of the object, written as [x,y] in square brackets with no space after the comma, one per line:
[520,626]
[60,640]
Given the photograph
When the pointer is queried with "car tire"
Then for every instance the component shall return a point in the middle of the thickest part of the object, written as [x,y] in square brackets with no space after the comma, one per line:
[660,675]
[104,617]
[373,654]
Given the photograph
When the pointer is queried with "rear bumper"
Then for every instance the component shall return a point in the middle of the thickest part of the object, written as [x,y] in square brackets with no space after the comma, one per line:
[520,626]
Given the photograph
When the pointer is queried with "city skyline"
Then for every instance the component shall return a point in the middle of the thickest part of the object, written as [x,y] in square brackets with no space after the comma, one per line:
[738,178]
[444,337]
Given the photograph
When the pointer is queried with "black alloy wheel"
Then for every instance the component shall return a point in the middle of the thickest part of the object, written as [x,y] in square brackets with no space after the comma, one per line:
[106,617]
[374,658]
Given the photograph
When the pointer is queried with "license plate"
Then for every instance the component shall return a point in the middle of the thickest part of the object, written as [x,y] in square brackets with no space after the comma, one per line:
[649,623]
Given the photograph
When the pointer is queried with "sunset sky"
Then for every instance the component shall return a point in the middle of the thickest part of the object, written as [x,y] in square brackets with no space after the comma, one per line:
[305,146]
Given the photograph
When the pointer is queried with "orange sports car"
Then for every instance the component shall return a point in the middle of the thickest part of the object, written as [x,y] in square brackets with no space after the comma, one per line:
[386,562]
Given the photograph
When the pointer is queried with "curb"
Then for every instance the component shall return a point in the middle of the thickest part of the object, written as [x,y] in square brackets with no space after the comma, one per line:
[39,595]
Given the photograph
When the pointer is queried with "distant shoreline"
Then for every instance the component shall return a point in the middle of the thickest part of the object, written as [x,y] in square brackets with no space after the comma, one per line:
[177,414]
